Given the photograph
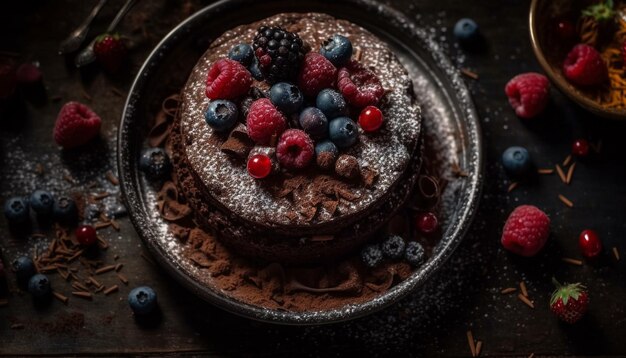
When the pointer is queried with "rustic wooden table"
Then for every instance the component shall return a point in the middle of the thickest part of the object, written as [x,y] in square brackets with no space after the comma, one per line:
[464,296]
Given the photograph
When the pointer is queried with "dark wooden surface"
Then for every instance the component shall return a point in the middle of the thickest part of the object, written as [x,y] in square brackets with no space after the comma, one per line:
[465,295]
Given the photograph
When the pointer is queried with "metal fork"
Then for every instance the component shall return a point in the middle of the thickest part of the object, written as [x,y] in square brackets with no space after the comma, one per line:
[87,56]
[76,38]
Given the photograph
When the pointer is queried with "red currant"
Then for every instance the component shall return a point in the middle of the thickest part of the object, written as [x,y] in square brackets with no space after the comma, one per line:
[370,119]
[580,147]
[589,243]
[259,166]
[427,222]
[566,30]
[86,235]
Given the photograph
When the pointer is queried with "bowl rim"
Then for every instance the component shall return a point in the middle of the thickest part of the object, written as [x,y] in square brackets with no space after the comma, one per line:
[467,203]
[565,87]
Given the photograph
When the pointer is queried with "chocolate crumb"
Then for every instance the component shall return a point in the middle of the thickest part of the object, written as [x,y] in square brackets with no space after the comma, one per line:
[325,160]
[347,166]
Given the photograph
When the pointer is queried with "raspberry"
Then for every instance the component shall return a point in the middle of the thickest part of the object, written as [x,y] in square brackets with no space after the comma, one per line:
[316,74]
[279,53]
[265,121]
[584,66]
[526,230]
[295,149]
[528,94]
[227,79]
[76,125]
[358,85]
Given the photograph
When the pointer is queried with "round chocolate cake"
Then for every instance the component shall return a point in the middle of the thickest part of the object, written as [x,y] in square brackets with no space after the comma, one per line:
[317,211]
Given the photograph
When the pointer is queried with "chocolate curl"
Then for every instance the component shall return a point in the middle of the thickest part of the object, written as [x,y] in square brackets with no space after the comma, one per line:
[169,206]
[161,129]
[238,143]
[352,283]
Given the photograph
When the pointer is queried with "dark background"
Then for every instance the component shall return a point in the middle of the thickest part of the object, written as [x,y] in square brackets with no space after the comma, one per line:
[464,295]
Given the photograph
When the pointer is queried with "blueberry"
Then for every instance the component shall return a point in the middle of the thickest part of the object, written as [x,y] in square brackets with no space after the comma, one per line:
[393,247]
[41,201]
[414,254]
[39,286]
[331,103]
[242,53]
[313,122]
[337,49]
[155,163]
[24,268]
[326,146]
[516,161]
[343,132]
[255,70]
[64,210]
[221,115]
[286,97]
[16,210]
[371,255]
[142,300]
[466,30]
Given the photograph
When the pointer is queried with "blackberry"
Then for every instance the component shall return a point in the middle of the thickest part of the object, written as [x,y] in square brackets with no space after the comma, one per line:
[279,52]
[372,255]
[415,254]
[393,247]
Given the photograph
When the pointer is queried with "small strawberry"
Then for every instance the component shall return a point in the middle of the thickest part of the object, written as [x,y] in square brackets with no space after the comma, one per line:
[76,125]
[110,51]
[569,302]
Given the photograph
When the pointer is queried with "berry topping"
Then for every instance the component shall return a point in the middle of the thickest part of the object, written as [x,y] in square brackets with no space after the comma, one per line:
[314,122]
[337,49]
[371,119]
[242,53]
[39,286]
[155,163]
[526,230]
[24,269]
[589,243]
[414,254]
[286,97]
[343,132]
[584,66]
[64,210]
[426,222]
[393,247]
[255,70]
[279,53]
[221,115]
[516,161]
[41,202]
[110,51]
[76,125]
[372,255]
[326,154]
[259,166]
[142,300]
[227,79]
[16,210]
[466,30]
[358,85]
[28,74]
[264,121]
[295,149]
[331,103]
[86,235]
[316,74]
[528,94]
[580,147]
[569,302]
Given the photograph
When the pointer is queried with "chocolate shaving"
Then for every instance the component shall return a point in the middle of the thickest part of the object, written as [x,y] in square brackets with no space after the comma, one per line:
[330,206]
[200,259]
[384,280]
[170,104]
[428,186]
[238,143]
[160,130]
[369,176]
[352,283]
[169,206]
[309,213]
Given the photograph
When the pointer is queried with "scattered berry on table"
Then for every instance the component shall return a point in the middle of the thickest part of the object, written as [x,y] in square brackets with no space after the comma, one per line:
[279,52]
[372,255]
[569,302]
[371,119]
[331,103]
[528,94]
[516,161]
[24,268]
[86,235]
[526,231]
[589,243]
[76,125]
[221,115]
[142,300]
[326,153]
[426,222]
[39,286]
[316,74]
[155,163]
[28,74]
[359,85]
[8,79]
[343,132]
[580,147]
[295,149]
[566,30]
[41,202]
[584,66]
[16,210]
[242,53]
[314,122]
[227,79]
[64,210]
[394,247]
[286,97]
[259,166]
[337,49]
[414,253]
[265,121]
[110,51]
[466,30]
